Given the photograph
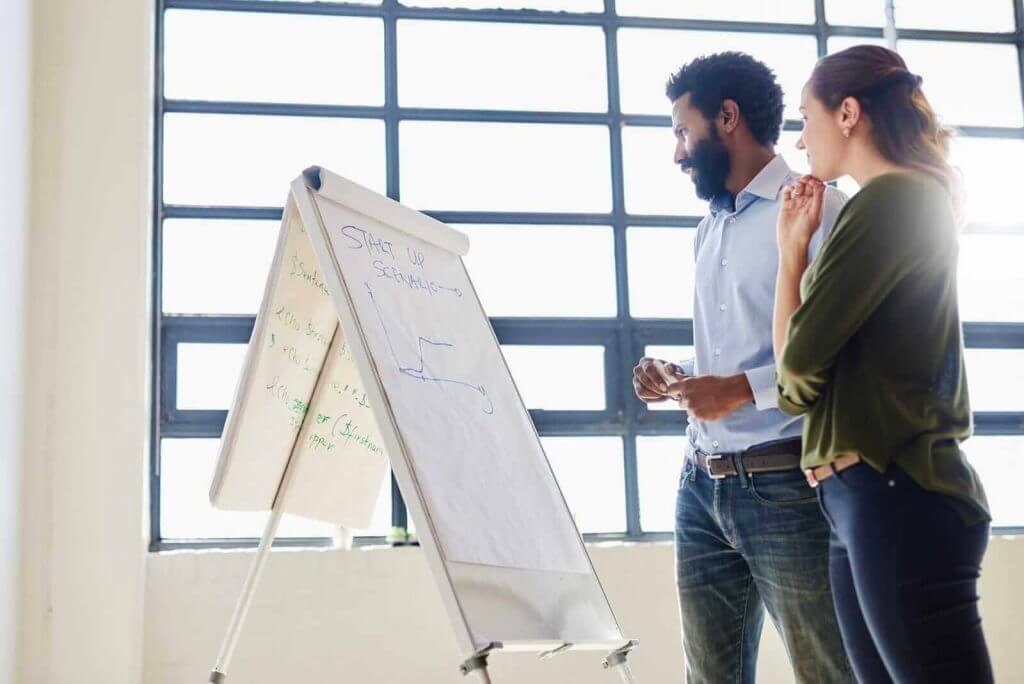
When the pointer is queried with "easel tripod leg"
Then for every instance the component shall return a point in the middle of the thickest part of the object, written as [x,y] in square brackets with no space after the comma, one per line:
[477,665]
[625,673]
[227,649]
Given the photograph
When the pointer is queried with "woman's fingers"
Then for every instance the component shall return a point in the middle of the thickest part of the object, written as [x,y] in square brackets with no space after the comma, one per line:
[807,195]
[815,201]
[806,184]
[796,192]
[787,198]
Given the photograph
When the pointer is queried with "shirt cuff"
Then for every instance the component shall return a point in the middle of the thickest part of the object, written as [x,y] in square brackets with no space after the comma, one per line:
[687,366]
[763,385]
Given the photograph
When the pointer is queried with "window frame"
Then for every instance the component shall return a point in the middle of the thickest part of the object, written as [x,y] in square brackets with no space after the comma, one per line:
[623,337]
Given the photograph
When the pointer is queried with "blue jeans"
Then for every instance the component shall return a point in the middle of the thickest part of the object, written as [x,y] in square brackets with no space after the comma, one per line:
[744,544]
[905,571]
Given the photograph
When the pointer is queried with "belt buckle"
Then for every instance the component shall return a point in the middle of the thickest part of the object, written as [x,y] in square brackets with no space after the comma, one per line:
[714,457]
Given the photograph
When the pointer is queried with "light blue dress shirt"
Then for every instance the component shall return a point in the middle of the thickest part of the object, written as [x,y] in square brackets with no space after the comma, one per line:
[737,259]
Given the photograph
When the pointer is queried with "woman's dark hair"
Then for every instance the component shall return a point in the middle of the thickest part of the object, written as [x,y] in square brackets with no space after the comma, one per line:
[904,126]
[735,76]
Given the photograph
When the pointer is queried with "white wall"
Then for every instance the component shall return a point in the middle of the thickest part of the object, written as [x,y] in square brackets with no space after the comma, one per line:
[83,462]
[375,616]
[15,75]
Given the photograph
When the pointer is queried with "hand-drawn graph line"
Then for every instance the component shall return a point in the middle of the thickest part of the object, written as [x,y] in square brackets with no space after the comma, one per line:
[420,371]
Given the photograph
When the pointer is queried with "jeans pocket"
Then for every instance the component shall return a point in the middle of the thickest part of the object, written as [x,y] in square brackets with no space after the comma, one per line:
[863,477]
[787,488]
[686,473]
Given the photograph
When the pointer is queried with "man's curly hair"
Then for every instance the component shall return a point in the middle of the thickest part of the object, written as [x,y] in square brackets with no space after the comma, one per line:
[736,76]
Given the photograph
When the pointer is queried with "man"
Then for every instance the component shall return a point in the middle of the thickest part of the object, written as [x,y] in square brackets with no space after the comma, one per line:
[749,532]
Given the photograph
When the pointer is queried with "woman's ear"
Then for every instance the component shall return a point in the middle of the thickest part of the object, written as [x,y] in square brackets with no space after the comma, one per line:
[849,115]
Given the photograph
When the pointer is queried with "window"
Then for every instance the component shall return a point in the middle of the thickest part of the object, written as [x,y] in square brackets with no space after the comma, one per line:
[539,127]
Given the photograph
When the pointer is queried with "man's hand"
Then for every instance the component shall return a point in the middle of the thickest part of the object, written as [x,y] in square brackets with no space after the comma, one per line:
[712,397]
[649,384]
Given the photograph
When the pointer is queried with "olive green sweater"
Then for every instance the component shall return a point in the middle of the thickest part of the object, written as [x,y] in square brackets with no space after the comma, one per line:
[874,354]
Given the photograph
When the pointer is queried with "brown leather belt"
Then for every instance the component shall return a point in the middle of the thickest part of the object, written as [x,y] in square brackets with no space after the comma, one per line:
[816,475]
[767,458]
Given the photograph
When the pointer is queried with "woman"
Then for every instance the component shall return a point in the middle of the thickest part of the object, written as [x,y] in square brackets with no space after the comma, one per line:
[868,345]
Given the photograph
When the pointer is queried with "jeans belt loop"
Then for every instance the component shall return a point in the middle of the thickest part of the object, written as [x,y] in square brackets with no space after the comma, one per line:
[741,473]
[812,480]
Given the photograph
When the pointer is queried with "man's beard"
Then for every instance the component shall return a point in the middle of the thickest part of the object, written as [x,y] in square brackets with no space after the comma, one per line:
[711,165]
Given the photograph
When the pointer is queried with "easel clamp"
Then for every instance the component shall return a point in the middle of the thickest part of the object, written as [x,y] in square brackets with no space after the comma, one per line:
[479,659]
[618,656]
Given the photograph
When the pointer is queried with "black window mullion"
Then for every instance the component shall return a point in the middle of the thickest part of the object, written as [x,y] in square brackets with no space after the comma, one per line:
[1018,14]
[278,7]
[399,511]
[622,337]
[156,283]
[619,400]
[994,335]
[821,27]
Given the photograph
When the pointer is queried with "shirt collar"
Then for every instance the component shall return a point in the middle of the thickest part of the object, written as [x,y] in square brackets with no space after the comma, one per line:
[769,180]
[766,184]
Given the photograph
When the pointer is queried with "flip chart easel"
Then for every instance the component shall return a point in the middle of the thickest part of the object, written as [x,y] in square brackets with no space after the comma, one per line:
[371,344]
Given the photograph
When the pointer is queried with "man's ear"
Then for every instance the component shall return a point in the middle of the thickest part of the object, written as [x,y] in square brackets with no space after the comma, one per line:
[729,116]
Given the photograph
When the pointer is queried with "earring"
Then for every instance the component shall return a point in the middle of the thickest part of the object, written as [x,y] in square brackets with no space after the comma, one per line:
[846,132]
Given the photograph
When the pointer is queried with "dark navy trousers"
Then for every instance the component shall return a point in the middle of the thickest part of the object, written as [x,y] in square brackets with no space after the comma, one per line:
[904,571]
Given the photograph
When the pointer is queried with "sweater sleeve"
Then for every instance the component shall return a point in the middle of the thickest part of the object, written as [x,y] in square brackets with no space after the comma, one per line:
[875,244]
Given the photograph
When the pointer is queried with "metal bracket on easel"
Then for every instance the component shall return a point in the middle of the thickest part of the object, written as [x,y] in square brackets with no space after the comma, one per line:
[555,651]
[478,661]
[616,660]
